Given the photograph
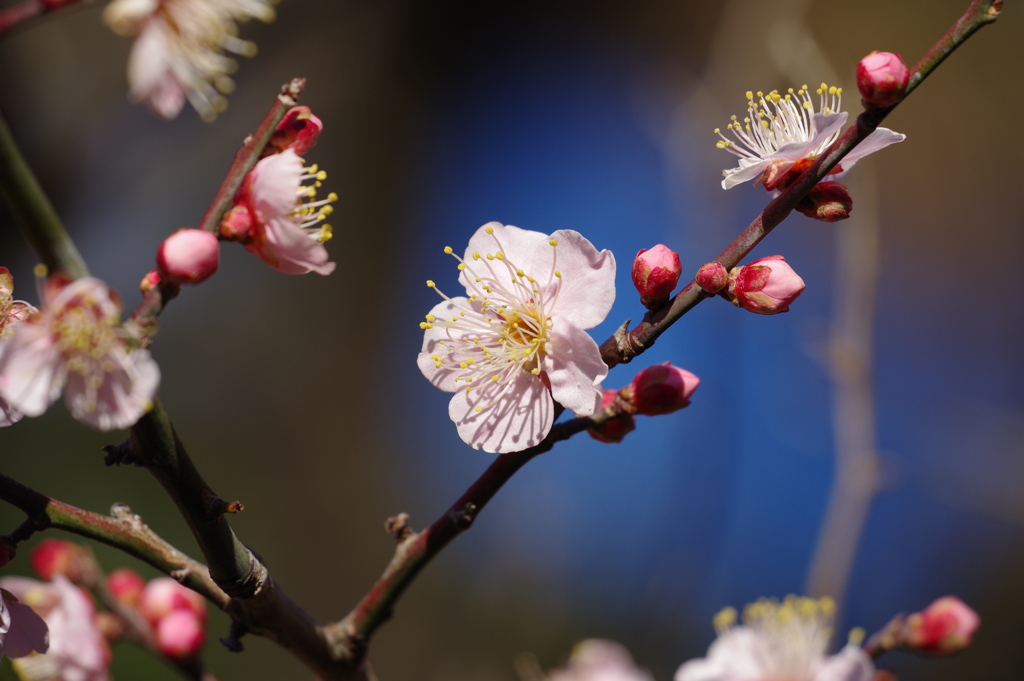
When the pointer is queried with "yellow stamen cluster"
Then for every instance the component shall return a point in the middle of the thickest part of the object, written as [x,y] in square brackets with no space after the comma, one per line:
[312,212]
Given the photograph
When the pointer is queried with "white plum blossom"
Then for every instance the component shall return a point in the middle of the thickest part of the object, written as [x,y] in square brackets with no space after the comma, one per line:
[599,660]
[77,650]
[76,344]
[285,221]
[784,641]
[518,340]
[179,47]
[12,313]
[783,133]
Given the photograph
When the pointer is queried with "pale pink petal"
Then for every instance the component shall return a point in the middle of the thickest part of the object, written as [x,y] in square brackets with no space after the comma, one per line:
[849,664]
[32,370]
[74,636]
[826,125]
[150,76]
[275,183]
[290,249]
[748,169]
[28,632]
[127,392]
[90,291]
[518,246]
[734,656]
[876,141]
[587,281]
[440,377]
[520,419]
[575,369]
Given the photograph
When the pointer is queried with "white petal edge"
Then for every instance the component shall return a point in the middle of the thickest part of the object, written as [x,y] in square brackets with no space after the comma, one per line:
[587,282]
[575,369]
[520,419]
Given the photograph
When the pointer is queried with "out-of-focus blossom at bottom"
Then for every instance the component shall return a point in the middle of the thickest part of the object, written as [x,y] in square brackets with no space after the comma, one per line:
[12,313]
[22,631]
[599,660]
[784,641]
[77,650]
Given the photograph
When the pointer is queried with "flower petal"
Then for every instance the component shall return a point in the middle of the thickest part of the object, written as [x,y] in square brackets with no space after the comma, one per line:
[735,654]
[587,282]
[575,369]
[876,141]
[275,183]
[747,170]
[8,414]
[440,377]
[520,418]
[290,249]
[517,244]
[125,395]
[28,632]
[32,371]
[849,664]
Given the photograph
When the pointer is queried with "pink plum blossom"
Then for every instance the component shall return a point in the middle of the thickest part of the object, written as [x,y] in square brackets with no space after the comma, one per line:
[77,650]
[12,313]
[600,660]
[765,286]
[22,631]
[179,47]
[782,134]
[164,595]
[283,230]
[76,344]
[778,642]
[518,343]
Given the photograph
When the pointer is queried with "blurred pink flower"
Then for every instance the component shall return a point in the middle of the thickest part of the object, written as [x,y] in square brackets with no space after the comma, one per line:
[77,650]
[778,642]
[781,130]
[518,340]
[284,231]
[600,660]
[22,631]
[945,626]
[12,313]
[179,49]
[76,344]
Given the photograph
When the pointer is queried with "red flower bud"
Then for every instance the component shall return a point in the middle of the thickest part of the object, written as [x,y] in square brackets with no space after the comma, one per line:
[164,595]
[882,78]
[615,429]
[60,557]
[662,389]
[827,201]
[712,277]
[126,585]
[188,256]
[236,225]
[180,635]
[945,626]
[765,286]
[298,130]
[655,273]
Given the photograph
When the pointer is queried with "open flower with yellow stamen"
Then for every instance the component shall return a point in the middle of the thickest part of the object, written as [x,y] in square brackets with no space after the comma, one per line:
[281,218]
[76,344]
[782,134]
[784,641]
[518,340]
[179,49]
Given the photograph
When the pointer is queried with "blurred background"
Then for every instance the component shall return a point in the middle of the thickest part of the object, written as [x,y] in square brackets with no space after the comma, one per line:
[300,396]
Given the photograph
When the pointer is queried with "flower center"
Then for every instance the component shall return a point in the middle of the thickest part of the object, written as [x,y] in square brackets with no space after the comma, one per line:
[505,325]
[308,211]
[87,340]
[776,119]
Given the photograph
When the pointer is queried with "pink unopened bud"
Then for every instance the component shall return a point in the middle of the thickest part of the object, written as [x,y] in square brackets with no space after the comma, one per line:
[945,626]
[655,273]
[188,256]
[151,280]
[164,595]
[662,389]
[712,277]
[298,130]
[882,78]
[53,557]
[615,429]
[827,201]
[765,286]
[8,550]
[126,585]
[180,635]
[236,225]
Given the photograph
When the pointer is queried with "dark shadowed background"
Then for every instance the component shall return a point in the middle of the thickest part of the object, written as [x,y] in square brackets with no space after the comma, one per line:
[300,395]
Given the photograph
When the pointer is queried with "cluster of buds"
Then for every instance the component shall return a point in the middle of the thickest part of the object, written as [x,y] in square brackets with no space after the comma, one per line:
[654,391]
[765,286]
[176,613]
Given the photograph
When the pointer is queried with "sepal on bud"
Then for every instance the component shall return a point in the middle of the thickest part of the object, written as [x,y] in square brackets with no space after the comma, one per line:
[614,430]
[765,286]
[236,225]
[655,274]
[882,78]
[712,277]
[298,130]
[946,626]
[661,389]
[827,201]
[189,256]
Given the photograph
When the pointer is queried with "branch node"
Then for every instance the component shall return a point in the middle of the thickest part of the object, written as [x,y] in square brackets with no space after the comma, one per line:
[216,507]
[464,518]
[233,641]
[126,453]
[251,584]
[398,527]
